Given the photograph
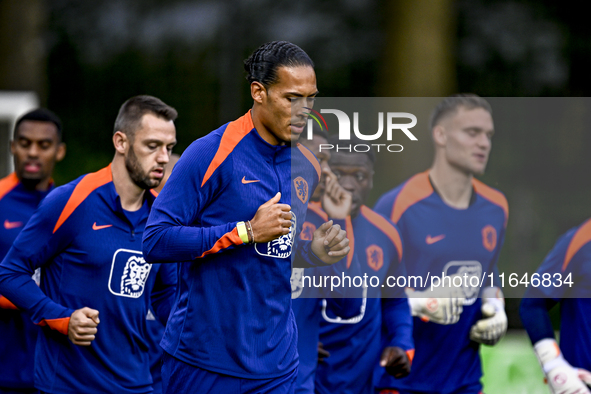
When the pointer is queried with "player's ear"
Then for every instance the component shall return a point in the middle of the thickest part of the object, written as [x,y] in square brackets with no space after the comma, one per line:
[13,147]
[121,142]
[439,136]
[258,92]
[61,152]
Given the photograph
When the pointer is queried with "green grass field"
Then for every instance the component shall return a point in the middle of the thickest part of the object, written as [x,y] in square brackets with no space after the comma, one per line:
[511,367]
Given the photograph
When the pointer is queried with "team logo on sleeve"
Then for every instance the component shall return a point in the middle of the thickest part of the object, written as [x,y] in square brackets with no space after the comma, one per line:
[307,233]
[297,282]
[375,257]
[301,187]
[489,237]
[129,273]
[280,247]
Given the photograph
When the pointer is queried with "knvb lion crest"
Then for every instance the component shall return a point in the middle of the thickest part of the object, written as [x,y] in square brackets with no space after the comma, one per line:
[134,276]
[129,273]
[375,257]
[489,238]
[301,188]
[280,247]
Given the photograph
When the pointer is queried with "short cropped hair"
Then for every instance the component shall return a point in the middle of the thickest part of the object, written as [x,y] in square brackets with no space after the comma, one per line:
[451,104]
[40,115]
[131,112]
[262,65]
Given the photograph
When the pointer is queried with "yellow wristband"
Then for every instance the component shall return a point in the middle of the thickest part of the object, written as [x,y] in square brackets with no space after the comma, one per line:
[242,233]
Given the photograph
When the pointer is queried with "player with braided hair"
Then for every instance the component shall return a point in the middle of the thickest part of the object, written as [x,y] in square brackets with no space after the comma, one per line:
[229,214]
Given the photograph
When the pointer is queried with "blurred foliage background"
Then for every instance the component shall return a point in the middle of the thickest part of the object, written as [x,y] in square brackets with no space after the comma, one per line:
[84,58]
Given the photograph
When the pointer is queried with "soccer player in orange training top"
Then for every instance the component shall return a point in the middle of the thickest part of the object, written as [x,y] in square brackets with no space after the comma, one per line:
[86,236]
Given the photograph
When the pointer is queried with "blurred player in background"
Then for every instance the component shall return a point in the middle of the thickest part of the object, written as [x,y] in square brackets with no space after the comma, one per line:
[36,147]
[307,300]
[382,333]
[86,236]
[564,277]
[229,215]
[455,224]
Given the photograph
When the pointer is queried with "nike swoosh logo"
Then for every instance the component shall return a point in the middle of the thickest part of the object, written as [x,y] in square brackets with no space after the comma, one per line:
[95,227]
[431,240]
[10,225]
[244,181]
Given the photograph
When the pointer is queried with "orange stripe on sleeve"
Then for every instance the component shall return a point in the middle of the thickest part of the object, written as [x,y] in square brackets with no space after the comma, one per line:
[492,195]
[410,354]
[59,325]
[82,190]
[6,304]
[310,156]
[234,133]
[227,240]
[7,184]
[416,189]
[581,237]
[351,236]
[317,209]
[382,223]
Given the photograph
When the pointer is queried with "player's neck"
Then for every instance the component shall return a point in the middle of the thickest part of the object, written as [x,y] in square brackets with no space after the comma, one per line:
[265,133]
[454,186]
[33,185]
[43,186]
[131,195]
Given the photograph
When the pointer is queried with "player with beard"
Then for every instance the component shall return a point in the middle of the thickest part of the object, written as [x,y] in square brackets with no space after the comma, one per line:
[86,238]
[36,147]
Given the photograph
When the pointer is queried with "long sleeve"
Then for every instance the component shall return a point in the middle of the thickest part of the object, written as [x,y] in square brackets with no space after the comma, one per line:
[536,319]
[397,320]
[35,247]
[173,232]
[164,291]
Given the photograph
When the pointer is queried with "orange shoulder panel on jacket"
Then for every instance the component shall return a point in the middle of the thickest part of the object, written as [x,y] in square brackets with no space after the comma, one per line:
[87,185]
[317,209]
[581,237]
[234,133]
[386,227]
[310,156]
[492,195]
[7,184]
[416,189]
